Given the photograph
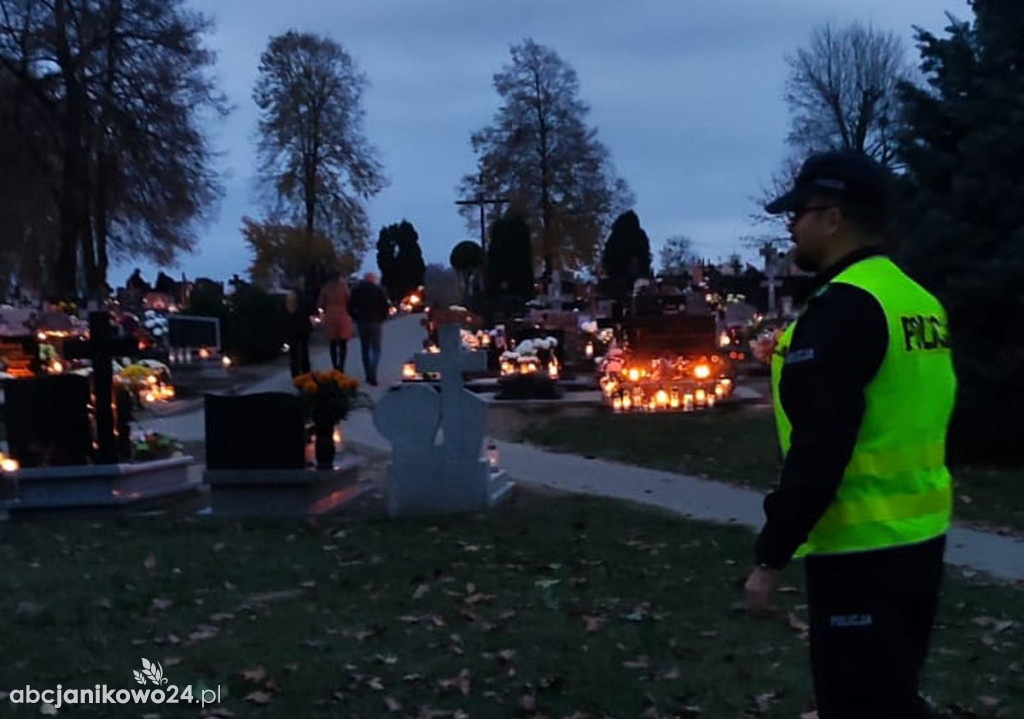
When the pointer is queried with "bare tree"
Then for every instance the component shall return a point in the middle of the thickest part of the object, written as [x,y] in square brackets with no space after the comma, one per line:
[540,153]
[842,91]
[676,255]
[315,158]
[119,87]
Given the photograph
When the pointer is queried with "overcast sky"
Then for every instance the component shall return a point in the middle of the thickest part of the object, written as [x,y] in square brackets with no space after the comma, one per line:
[686,94]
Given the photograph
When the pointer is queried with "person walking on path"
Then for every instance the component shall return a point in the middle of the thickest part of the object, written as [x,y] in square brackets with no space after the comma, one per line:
[864,390]
[337,323]
[369,308]
[299,310]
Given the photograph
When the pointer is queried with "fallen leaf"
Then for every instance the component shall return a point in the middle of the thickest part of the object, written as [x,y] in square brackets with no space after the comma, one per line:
[254,675]
[594,624]
[48,710]
[266,597]
[460,682]
[159,604]
[222,617]
[988,701]
[764,702]
[308,585]
[641,662]
[258,697]
[204,631]
[421,591]
[479,598]
[149,562]
[103,603]
[392,704]
[528,702]
[29,608]
[798,624]
[998,625]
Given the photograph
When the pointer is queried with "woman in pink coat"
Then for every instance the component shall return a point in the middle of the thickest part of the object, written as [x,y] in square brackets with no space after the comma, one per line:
[337,322]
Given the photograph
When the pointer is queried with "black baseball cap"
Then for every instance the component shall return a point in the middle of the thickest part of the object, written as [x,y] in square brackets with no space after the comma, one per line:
[851,176]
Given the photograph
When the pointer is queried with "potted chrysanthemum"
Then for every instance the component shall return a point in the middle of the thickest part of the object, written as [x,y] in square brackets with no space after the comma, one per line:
[330,395]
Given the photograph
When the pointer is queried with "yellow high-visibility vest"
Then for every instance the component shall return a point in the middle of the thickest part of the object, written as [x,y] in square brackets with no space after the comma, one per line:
[896,489]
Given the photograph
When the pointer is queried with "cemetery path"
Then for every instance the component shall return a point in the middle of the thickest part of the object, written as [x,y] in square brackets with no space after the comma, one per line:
[401,338]
[1000,556]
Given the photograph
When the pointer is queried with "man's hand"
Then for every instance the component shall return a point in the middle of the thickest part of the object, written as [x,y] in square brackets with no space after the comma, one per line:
[759,587]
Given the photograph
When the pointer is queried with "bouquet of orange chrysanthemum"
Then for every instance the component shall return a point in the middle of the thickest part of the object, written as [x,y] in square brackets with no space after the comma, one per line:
[330,393]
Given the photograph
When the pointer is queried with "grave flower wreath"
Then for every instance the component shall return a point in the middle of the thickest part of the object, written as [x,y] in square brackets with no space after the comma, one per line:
[153,445]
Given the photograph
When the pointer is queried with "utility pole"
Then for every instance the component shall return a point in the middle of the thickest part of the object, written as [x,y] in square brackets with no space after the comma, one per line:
[771,258]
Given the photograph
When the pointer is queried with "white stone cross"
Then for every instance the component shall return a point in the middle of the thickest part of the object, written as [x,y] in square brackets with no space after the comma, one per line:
[460,417]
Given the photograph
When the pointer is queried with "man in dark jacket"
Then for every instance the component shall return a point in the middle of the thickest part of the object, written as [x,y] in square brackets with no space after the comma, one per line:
[369,308]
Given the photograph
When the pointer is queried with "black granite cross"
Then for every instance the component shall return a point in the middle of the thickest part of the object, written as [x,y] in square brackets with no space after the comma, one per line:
[101,348]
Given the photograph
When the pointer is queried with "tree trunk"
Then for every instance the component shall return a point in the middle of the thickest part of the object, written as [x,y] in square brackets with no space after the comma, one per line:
[545,180]
[73,175]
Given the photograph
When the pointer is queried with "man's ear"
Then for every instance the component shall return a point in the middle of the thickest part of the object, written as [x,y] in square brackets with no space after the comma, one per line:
[833,219]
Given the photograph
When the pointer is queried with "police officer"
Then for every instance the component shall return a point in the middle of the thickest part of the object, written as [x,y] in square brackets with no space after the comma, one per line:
[864,389]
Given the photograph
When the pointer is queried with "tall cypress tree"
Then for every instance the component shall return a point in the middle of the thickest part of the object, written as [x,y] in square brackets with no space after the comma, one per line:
[627,254]
[400,258]
[510,259]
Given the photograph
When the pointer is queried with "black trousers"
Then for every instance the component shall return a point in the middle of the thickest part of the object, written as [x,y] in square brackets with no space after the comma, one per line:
[339,352]
[871,616]
[298,353]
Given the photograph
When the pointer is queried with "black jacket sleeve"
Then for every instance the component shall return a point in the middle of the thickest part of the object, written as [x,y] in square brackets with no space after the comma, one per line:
[836,350]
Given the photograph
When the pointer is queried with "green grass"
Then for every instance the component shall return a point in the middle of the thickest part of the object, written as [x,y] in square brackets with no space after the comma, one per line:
[740,445]
[559,607]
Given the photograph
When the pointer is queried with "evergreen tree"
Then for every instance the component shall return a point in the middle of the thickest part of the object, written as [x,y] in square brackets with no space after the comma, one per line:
[468,259]
[627,254]
[400,259]
[963,216]
[510,259]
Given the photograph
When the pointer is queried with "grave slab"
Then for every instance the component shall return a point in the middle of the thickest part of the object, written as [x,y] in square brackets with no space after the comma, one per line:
[285,492]
[99,485]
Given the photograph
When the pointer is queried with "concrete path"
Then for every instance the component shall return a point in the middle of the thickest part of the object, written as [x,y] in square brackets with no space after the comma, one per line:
[1000,556]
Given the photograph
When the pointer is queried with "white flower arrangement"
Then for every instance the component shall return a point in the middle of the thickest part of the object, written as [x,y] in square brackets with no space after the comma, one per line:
[155,323]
